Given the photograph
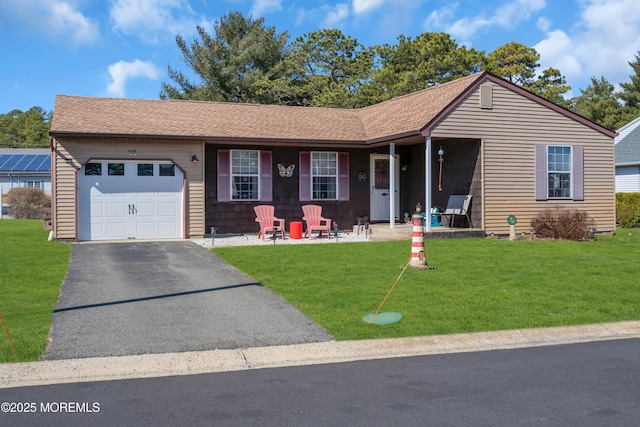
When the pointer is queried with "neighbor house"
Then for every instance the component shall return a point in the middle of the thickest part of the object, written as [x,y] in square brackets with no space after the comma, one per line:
[25,167]
[627,149]
[134,169]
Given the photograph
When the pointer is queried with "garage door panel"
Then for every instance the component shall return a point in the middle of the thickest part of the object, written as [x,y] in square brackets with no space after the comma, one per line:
[116,230]
[97,231]
[167,209]
[145,229]
[129,206]
[167,229]
[145,208]
[115,210]
[97,210]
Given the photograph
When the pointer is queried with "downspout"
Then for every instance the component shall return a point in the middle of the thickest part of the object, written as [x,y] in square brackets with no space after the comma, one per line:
[392,185]
[427,182]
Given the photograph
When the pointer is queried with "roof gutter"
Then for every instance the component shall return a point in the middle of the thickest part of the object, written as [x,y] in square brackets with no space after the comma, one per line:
[245,140]
[635,163]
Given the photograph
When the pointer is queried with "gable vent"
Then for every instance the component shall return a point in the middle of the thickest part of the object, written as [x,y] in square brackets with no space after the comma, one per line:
[486,96]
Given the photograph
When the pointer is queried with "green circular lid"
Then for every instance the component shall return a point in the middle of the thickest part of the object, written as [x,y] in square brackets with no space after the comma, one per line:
[512,220]
[386,318]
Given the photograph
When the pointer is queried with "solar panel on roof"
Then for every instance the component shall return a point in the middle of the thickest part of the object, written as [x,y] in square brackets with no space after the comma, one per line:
[23,164]
[43,163]
[11,162]
[3,160]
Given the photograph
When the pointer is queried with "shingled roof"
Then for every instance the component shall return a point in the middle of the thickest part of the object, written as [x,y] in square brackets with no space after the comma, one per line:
[628,146]
[116,117]
[408,116]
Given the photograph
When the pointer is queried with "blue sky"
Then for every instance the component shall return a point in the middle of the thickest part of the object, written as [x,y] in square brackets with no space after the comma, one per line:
[121,48]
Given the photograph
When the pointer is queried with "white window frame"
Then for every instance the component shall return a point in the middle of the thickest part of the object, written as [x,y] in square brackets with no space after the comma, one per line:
[34,184]
[235,173]
[553,169]
[320,171]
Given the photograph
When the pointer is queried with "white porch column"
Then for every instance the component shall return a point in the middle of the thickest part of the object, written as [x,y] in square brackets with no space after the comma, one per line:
[427,182]
[392,185]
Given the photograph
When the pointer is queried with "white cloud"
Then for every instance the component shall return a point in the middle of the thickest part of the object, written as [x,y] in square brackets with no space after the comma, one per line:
[261,7]
[122,71]
[510,15]
[556,51]
[507,16]
[439,18]
[335,15]
[601,43]
[152,19]
[544,24]
[610,39]
[364,6]
[57,19]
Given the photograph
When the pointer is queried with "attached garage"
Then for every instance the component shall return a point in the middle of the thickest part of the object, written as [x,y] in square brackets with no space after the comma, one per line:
[130,200]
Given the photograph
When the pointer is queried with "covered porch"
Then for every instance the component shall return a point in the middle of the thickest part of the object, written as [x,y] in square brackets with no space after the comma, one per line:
[428,172]
[381,232]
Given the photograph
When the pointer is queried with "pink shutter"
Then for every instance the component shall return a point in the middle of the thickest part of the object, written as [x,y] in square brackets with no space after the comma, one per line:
[343,176]
[304,176]
[266,177]
[578,173]
[541,172]
[224,176]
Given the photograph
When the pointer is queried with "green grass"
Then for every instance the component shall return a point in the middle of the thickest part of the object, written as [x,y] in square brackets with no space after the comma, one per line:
[478,284]
[31,272]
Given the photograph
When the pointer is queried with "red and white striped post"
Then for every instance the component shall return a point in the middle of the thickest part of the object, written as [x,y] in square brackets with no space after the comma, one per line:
[418,257]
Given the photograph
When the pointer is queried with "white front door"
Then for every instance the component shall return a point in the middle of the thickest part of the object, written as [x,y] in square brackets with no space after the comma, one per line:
[129,200]
[380,187]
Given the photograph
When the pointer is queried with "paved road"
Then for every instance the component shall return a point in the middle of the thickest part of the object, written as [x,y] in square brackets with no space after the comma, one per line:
[590,384]
[161,297]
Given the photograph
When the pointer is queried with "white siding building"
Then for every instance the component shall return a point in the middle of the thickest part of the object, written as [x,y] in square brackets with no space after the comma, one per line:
[628,158]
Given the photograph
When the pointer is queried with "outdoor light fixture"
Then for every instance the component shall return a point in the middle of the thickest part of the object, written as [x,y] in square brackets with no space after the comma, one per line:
[441,160]
[194,159]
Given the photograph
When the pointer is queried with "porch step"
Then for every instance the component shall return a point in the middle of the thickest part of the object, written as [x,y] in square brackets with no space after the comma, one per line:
[380,232]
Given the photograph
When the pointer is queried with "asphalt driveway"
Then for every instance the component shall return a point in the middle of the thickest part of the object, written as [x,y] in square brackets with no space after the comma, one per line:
[161,297]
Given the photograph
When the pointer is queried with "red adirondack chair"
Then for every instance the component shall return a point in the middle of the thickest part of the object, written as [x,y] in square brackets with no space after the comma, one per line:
[265,216]
[315,221]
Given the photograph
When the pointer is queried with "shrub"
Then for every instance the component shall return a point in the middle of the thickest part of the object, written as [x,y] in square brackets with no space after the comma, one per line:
[628,209]
[28,203]
[565,224]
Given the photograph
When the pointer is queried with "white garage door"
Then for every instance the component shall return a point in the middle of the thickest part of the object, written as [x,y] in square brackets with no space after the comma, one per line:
[129,200]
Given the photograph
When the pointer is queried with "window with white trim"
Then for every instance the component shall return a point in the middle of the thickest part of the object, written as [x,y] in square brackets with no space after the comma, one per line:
[559,171]
[324,175]
[245,174]
[34,184]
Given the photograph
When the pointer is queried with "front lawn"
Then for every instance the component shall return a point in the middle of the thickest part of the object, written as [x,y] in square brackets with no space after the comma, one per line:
[478,284]
[31,272]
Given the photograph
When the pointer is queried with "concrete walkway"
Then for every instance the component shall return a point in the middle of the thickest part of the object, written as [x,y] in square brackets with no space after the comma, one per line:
[198,362]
